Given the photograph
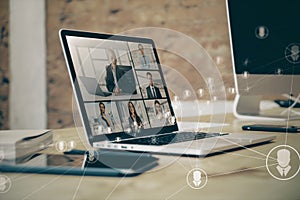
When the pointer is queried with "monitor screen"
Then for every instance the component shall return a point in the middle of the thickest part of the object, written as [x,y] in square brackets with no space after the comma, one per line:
[265,36]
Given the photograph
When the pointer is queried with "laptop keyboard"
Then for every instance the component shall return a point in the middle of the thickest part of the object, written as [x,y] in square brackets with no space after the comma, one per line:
[170,138]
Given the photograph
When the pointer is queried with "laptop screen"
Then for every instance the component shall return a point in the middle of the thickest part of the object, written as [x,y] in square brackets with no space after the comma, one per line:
[119,85]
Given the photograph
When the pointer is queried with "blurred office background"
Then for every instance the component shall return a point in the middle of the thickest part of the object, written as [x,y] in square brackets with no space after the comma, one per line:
[35,90]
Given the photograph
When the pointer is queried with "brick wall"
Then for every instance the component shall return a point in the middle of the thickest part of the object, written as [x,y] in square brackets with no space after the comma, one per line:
[4,69]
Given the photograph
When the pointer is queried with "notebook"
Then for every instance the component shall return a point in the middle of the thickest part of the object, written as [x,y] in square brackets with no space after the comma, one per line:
[142,119]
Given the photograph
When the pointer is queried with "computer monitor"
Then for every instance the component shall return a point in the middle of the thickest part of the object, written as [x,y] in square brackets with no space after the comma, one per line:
[265,47]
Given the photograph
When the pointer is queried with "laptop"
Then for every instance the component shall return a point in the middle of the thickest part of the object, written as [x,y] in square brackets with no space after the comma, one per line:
[145,120]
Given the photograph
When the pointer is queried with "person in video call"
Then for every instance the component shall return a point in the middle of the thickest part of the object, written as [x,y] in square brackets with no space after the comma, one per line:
[106,121]
[112,73]
[161,116]
[158,110]
[152,91]
[134,119]
[144,59]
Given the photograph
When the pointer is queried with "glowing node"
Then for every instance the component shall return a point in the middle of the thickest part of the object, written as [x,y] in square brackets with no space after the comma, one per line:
[219,60]
[92,156]
[283,162]
[200,92]
[61,146]
[278,71]
[292,53]
[246,75]
[196,178]
[231,90]
[187,94]
[215,98]
[261,32]
[71,145]
[5,184]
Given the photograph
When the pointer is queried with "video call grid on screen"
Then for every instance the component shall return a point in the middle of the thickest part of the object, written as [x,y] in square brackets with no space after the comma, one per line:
[136,84]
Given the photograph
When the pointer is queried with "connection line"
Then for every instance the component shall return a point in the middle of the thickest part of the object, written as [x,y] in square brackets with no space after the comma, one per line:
[182,165]
[20,177]
[116,186]
[241,170]
[235,154]
[173,194]
[247,148]
[42,187]
[78,186]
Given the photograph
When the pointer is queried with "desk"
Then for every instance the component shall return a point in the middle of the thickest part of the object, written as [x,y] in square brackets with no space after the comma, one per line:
[238,174]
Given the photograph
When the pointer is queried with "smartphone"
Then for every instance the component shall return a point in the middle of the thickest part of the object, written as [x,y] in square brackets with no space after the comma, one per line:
[103,163]
[272,128]
[286,103]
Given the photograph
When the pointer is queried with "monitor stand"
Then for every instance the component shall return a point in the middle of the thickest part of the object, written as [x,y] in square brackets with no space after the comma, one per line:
[248,108]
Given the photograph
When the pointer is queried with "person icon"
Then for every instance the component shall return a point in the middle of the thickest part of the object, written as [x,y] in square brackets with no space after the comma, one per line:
[283,159]
[61,146]
[295,52]
[92,156]
[197,178]
[152,91]
[279,71]
[287,162]
[144,59]
[262,32]
[292,52]
[5,184]
[71,145]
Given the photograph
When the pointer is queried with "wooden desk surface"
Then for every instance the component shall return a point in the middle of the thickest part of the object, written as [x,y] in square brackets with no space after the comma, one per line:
[237,174]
